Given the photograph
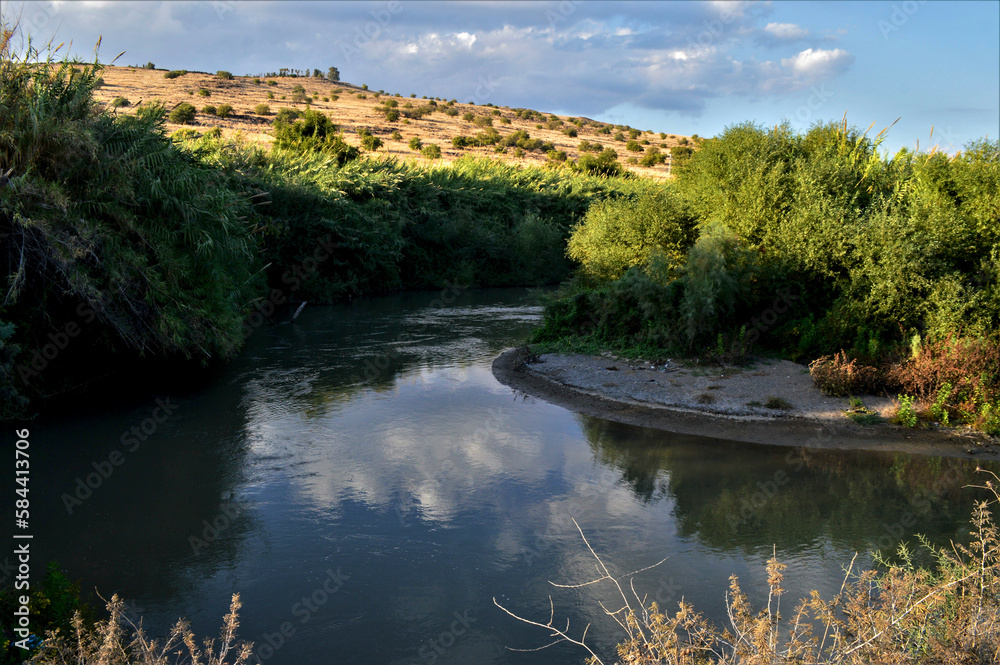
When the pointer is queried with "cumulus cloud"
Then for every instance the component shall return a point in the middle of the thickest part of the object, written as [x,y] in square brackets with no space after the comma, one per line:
[785,32]
[819,63]
[584,58]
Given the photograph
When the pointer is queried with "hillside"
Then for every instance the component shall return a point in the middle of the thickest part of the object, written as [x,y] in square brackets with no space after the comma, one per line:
[353,108]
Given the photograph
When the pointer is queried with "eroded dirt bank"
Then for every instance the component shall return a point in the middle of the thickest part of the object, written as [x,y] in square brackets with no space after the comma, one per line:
[724,403]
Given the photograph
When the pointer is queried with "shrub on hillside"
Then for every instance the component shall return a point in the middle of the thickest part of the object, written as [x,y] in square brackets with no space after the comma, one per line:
[431,151]
[416,144]
[174,73]
[369,141]
[209,109]
[183,114]
[262,109]
[605,163]
[119,102]
[224,111]
[224,75]
[311,131]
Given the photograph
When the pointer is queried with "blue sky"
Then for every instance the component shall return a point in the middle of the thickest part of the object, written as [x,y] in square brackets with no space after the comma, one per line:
[678,67]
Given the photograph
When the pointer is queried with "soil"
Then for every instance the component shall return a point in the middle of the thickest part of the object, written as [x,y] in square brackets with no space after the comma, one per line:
[768,401]
[354,109]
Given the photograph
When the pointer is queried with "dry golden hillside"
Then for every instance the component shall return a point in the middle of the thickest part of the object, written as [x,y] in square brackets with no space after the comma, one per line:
[353,108]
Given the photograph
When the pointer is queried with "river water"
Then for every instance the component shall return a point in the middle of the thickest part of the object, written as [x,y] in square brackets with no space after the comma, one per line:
[369,488]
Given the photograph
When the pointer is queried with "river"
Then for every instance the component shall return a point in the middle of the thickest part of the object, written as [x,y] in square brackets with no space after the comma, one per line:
[369,488]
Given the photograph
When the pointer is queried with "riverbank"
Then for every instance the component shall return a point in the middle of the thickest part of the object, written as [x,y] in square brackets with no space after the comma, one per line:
[725,403]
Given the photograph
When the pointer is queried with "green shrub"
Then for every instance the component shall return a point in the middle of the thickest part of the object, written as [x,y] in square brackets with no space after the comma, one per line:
[652,157]
[605,163]
[311,131]
[287,115]
[183,114]
[468,116]
[451,112]
[300,98]
[270,95]
[174,73]
[369,141]
[203,92]
[905,413]
[119,102]
[209,109]
[431,151]
[396,136]
[272,82]
[616,235]
[391,115]
[224,75]
[633,146]
[262,109]
[416,144]
[224,111]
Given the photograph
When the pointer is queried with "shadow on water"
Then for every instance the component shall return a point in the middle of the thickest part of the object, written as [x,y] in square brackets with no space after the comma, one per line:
[736,495]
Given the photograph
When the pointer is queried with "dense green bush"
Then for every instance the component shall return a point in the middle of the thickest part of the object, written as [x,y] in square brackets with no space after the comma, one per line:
[262,109]
[209,109]
[174,73]
[224,75]
[879,248]
[605,163]
[224,111]
[369,141]
[119,102]
[183,114]
[117,228]
[431,151]
[618,234]
[311,131]
[416,144]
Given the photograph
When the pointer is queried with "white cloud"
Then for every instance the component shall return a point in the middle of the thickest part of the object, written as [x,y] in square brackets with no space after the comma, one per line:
[786,31]
[819,62]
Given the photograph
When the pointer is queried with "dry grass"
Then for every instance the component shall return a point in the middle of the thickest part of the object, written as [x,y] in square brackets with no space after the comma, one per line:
[350,112]
[118,641]
[899,614]
[839,377]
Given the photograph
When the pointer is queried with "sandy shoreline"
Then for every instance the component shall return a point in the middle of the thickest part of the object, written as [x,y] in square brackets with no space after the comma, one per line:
[725,403]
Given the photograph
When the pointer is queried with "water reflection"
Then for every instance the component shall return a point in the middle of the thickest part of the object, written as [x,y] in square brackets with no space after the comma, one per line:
[372,440]
[733,495]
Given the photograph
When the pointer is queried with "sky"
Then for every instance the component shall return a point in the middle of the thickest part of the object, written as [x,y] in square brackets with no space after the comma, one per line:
[677,67]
